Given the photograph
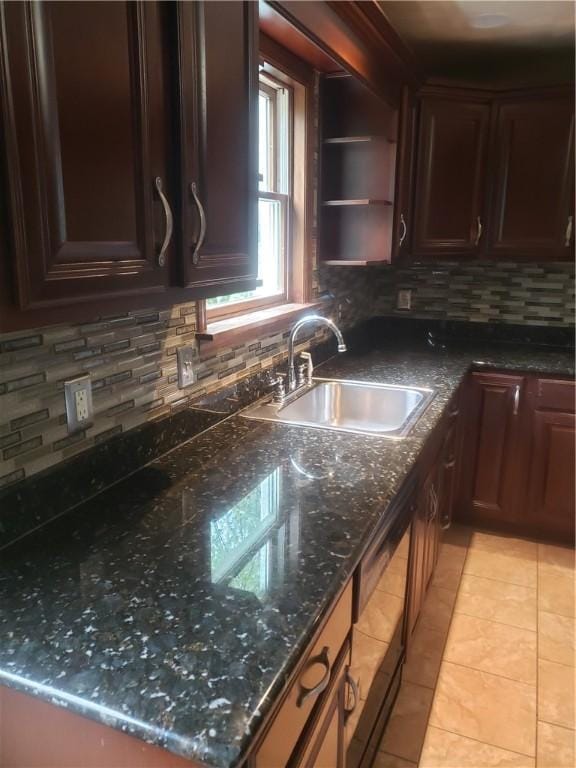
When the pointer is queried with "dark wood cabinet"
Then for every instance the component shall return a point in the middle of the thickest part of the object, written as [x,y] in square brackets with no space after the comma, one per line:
[109,114]
[518,455]
[550,498]
[532,210]
[402,230]
[490,461]
[86,108]
[493,175]
[450,177]
[219,130]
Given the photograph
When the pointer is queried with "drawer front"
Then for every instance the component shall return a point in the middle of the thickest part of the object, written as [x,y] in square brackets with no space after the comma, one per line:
[555,395]
[289,722]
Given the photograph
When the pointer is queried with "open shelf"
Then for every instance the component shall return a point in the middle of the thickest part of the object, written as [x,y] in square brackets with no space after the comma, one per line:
[357,201]
[358,139]
[353,262]
[357,175]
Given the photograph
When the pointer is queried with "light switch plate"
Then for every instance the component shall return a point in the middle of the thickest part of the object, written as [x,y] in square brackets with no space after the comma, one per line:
[79,408]
[185,360]
[404,299]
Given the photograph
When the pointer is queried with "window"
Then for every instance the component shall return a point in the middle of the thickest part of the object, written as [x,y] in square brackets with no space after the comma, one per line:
[275,118]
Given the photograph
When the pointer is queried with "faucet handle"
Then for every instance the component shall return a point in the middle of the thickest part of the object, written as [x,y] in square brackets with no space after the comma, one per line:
[279,389]
[306,369]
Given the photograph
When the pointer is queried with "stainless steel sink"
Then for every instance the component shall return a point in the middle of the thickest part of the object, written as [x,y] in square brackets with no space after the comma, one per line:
[383,410]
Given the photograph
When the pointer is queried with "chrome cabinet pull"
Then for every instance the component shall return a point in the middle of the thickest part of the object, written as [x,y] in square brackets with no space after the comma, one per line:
[169,222]
[568,234]
[355,692]
[307,693]
[479,230]
[202,216]
[516,399]
[404,230]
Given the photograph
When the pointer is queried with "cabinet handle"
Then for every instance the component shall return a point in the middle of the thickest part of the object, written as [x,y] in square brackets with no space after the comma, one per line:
[169,222]
[479,230]
[354,686]
[450,464]
[202,215]
[404,230]
[568,234]
[308,693]
[516,399]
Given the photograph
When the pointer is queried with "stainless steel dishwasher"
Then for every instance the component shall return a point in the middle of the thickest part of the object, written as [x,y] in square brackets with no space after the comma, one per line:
[378,639]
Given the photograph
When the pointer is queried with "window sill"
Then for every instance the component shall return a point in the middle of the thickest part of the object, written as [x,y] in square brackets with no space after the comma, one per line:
[236,330]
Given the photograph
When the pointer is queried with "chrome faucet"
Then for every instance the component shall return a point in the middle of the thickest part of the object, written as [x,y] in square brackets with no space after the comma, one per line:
[292,338]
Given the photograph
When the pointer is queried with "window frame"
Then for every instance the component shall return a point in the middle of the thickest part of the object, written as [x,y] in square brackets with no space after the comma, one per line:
[272,88]
[218,326]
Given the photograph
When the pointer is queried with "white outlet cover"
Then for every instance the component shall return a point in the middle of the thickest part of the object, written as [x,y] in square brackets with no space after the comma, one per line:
[79,408]
[404,299]
[185,361]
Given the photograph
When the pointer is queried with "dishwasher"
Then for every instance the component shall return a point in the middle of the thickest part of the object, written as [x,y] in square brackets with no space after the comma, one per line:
[378,635]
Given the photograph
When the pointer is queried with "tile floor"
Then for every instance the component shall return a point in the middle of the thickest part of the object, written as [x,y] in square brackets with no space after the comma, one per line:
[491,678]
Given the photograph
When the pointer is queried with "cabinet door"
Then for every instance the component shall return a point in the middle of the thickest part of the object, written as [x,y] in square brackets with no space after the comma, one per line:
[404,173]
[218,122]
[492,454]
[86,113]
[532,211]
[450,177]
[550,499]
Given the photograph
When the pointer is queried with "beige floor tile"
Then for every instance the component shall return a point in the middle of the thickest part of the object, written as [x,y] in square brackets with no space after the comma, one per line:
[486,707]
[393,582]
[556,638]
[555,589]
[556,693]
[558,557]
[448,750]
[437,610]
[492,647]
[505,566]
[556,748]
[407,725]
[384,760]
[424,657]
[497,600]
[508,545]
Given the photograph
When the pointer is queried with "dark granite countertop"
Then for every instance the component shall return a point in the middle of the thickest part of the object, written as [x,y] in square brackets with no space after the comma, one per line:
[175,605]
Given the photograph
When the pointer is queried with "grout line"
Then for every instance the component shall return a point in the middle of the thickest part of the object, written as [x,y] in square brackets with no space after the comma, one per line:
[495,674]
[557,725]
[500,581]
[487,743]
[493,621]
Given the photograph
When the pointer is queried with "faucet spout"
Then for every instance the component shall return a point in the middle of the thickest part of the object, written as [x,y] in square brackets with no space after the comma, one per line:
[292,339]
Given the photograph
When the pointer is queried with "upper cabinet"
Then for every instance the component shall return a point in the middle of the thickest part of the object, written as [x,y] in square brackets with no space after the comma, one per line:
[130,178]
[532,211]
[493,175]
[450,177]
[219,129]
[87,103]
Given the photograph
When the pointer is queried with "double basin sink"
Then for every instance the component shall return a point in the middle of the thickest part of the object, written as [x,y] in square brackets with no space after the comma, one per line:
[381,410]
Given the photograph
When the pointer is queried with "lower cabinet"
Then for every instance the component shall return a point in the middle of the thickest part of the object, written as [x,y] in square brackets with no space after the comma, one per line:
[304,721]
[518,455]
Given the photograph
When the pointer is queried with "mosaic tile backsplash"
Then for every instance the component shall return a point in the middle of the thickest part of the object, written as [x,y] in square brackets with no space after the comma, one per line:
[504,292]
[132,358]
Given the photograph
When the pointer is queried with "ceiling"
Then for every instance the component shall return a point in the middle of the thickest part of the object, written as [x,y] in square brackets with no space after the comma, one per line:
[488,39]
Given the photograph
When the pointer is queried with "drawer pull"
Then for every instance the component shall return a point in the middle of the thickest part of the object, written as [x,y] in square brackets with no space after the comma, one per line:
[356,694]
[450,463]
[308,693]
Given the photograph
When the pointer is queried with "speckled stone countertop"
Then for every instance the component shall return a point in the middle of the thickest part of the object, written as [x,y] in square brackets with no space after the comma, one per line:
[175,605]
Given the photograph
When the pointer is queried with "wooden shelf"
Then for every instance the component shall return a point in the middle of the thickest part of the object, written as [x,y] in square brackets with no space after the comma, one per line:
[357,140]
[358,201]
[353,262]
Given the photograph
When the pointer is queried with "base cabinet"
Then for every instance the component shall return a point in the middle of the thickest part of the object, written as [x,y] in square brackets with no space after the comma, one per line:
[518,455]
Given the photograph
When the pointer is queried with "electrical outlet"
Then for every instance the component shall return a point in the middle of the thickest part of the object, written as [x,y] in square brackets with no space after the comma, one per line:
[79,409]
[404,299]
[185,361]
